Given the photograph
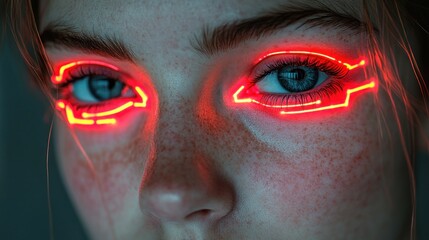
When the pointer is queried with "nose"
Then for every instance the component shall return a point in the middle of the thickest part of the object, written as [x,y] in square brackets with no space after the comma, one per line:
[181,182]
[183,194]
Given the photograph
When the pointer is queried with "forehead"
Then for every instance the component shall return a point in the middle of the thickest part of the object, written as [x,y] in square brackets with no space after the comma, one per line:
[161,15]
[167,25]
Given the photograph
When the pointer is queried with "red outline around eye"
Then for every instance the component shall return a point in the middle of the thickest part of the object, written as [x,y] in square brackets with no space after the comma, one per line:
[57,79]
[346,102]
[348,66]
[313,106]
[100,118]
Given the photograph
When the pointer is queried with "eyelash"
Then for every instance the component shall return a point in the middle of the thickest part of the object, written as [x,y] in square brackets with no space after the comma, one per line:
[82,71]
[330,87]
[102,111]
[283,100]
[333,83]
[327,66]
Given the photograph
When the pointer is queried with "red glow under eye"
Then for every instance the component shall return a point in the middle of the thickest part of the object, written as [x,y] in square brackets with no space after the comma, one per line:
[313,106]
[76,117]
[248,95]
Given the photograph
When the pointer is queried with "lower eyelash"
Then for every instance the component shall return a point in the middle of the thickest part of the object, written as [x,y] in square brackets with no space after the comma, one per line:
[329,89]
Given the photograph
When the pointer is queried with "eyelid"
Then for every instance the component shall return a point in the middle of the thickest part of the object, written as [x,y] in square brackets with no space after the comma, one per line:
[58,78]
[347,65]
[275,63]
[82,117]
[71,72]
[77,113]
[311,101]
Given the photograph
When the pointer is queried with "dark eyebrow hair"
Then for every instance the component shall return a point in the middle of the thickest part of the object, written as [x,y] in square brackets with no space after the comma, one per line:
[65,35]
[229,35]
[213,40]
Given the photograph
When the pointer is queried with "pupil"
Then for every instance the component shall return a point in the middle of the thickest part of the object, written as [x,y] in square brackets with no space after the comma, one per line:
[297,79]
[111,84]
[104,88]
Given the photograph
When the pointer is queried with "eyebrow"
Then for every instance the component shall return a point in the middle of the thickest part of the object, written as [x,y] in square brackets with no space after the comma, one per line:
[63,35]
[229,35]
[212,40]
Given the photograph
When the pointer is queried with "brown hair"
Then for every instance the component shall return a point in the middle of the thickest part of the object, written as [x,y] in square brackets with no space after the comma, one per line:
[391,43]
[19,17]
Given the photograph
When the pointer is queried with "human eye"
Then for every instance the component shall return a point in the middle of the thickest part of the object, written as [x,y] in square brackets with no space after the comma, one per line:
[296,82]
[94,93]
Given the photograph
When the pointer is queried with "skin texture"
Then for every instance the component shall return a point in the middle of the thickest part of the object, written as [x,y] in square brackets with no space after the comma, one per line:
[194,165]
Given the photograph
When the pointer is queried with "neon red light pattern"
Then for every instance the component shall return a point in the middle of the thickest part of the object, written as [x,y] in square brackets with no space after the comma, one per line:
[348,66]
[97,118]
[56,79]
[314,106]
[341,100]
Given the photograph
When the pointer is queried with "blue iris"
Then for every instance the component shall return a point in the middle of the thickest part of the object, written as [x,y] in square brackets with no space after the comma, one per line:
[298,78]
[104,88]
[97,88]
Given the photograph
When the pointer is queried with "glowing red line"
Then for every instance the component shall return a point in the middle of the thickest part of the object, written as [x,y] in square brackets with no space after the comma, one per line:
[249,100]
[72,120]
[61,104]
[120,108]
[110,112]
[58,78]
[351,67]
[348,66]
[106,121]
[85,121]
[297,52]
[345,104]
[143,96]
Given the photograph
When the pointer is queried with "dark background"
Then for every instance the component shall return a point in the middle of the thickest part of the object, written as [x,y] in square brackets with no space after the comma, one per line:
[24,128]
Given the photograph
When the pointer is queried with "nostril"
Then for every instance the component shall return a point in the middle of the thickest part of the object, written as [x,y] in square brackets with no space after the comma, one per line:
[199,197]
[200,214]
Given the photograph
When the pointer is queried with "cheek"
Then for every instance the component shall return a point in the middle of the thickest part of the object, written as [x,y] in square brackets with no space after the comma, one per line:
[318,184]
[311,165]
[102,171]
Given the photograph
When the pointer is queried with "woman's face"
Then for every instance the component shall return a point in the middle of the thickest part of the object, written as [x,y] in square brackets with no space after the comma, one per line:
[195,163]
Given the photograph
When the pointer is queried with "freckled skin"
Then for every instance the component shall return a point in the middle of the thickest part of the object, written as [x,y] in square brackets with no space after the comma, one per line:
[194,166]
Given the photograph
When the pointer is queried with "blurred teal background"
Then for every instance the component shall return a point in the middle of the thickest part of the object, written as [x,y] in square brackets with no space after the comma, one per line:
[24,126]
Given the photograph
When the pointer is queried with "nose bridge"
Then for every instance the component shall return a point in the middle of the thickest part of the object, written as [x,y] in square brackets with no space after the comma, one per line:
[176,130]
[179,182]
[174,162]
[178,92]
